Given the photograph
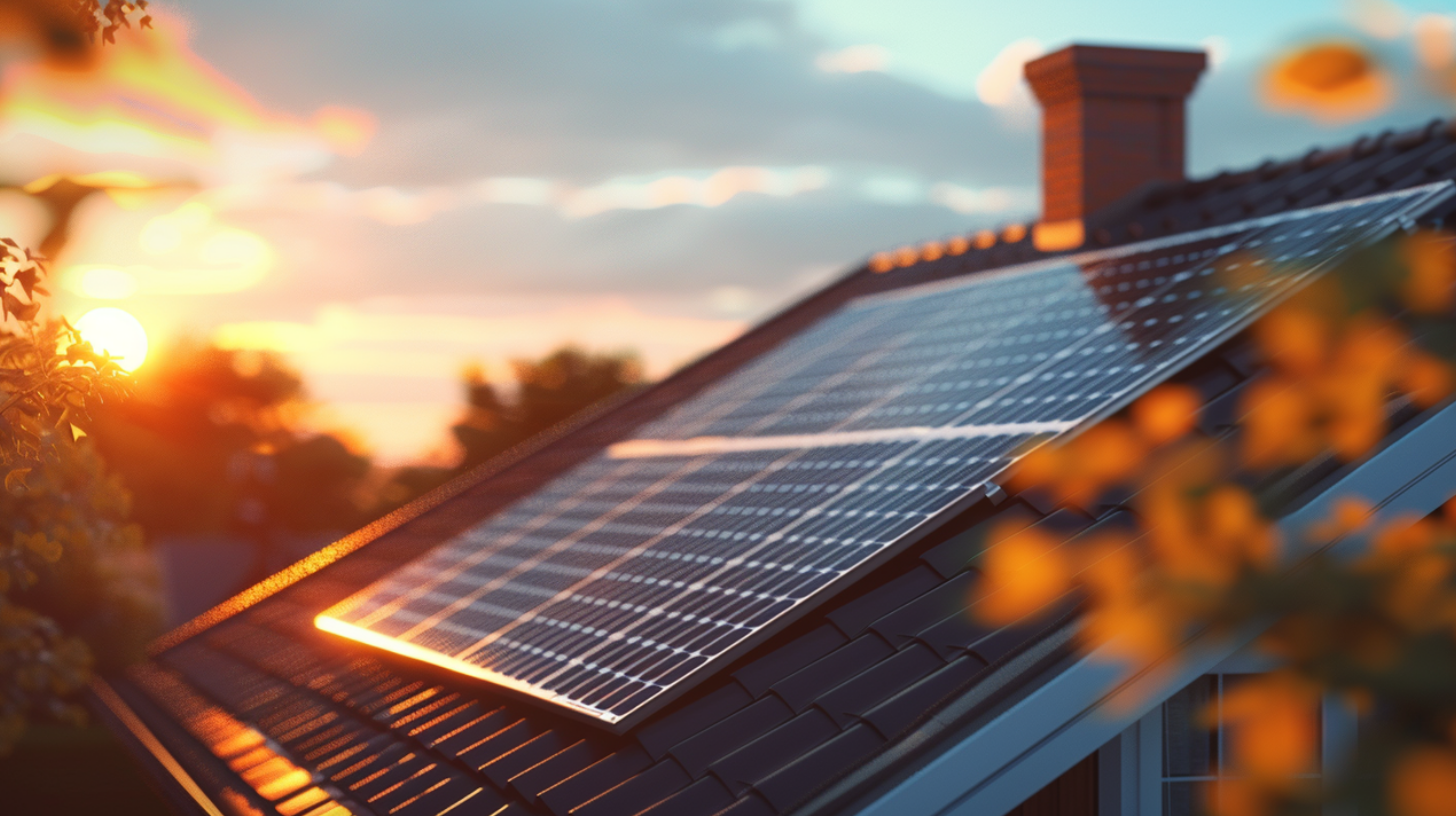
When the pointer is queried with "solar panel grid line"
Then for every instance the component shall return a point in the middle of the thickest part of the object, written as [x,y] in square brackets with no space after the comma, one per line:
[691,589]
[671,610]
[800,393]
[1249,315]
[795,362]
[1152,298]
[433,576]
[566,542]
[561,545]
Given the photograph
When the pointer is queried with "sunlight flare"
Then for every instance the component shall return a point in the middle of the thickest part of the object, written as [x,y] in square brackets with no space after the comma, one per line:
[117,333]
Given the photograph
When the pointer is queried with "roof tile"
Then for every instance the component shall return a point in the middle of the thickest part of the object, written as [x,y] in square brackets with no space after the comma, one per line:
[464,736]
[552,770]
[702,711]
[639,792]
[485,750]
[853,617]
[906,708]
[486,802]
[440,795]
[953,635]
[954,555]
[1002,642]
[707,795]
[432,729]
[810,773]
[701,750]
[763,672]
[594,780]
[801,688]
[861,692]
[910,620]
[760,758]
[748,806]
[504,766]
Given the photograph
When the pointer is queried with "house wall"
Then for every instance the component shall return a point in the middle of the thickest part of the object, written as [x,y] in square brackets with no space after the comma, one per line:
[1074,793]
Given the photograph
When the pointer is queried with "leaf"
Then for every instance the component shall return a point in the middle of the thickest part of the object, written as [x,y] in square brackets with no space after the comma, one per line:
[15,479]
[28,278]
[38,543]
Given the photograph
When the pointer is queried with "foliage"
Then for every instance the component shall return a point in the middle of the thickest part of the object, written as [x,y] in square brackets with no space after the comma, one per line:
[1371,340]
[212,442]
[549,391]
[67,31]
[58,501]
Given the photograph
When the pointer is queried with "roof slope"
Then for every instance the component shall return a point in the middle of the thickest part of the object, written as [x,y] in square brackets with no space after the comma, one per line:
[263,713]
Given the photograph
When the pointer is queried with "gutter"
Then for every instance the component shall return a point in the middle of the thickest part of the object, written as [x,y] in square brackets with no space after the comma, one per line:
[142,742]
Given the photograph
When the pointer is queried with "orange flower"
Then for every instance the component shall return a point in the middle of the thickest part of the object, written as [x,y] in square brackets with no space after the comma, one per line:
[1278,423]
[1427,379]
[1024,571]
[1329,82]
[1423,783]
[1274,734]
[1166,413]
[1431,261]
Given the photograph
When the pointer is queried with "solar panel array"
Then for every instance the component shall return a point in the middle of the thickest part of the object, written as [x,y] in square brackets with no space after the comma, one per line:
[623,581]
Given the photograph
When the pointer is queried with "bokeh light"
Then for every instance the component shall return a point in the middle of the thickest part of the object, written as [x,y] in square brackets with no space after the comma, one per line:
[117,333]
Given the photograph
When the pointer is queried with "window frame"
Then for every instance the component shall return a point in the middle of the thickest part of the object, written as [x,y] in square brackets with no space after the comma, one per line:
[1130,766]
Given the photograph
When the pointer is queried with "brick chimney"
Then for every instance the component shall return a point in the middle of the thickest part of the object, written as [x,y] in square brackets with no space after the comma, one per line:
[1112,121]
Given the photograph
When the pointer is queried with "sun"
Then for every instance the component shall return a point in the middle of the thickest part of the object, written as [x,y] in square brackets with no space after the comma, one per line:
[117,333]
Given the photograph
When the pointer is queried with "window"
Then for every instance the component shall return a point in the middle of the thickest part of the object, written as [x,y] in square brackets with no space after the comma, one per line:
[1162,764]
[1195,743]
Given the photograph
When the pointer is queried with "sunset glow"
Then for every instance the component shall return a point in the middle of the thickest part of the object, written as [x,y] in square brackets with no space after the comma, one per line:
[117,333]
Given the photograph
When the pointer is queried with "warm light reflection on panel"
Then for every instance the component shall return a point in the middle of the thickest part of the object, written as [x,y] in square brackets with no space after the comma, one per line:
[424,655]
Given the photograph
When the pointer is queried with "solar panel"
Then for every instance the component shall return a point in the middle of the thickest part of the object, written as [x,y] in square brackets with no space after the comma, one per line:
[622,582]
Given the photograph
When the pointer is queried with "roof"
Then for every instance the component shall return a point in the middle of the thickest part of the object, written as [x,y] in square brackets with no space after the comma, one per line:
[250,709]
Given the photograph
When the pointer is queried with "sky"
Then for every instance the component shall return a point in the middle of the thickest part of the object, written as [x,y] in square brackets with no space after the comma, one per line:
[386,192]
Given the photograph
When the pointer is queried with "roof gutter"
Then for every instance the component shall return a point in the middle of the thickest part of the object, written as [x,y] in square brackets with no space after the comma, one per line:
[150,749]
[988,767]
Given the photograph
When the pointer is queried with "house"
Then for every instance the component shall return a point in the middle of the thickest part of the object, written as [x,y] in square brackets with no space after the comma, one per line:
[870,690]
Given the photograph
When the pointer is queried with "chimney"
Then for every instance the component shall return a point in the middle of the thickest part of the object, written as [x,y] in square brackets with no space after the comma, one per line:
[1112,121]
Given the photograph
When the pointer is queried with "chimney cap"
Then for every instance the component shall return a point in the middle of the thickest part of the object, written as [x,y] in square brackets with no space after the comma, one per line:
[1079,71]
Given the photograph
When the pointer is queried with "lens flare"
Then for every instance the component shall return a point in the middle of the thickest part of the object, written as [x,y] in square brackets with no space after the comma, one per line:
[117,333]
[106,283]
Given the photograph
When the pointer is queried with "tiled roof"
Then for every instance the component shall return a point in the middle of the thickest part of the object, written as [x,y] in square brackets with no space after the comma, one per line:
[1388,161]
[268,715]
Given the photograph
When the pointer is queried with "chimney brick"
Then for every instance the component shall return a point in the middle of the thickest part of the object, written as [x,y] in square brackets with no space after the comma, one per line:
[1112,121]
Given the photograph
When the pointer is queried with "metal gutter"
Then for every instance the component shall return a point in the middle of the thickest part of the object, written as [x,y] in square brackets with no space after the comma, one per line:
[997,765]
[161,759]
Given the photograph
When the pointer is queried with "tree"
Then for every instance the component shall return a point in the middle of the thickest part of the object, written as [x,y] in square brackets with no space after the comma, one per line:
[548,391]
[74,584]
[210,442]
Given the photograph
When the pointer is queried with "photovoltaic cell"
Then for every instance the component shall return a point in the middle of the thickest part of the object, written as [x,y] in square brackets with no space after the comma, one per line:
[620,583]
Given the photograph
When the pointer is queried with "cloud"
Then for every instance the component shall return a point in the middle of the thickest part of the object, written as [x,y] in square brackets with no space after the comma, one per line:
[1001,84]
[1434,39]
[854,60]
[988,200]
[499,90]
[391,367]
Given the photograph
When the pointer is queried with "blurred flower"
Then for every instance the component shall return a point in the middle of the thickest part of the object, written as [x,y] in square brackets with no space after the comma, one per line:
[1273,727]
[1024,573]
[1424,783]
[1330,82]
